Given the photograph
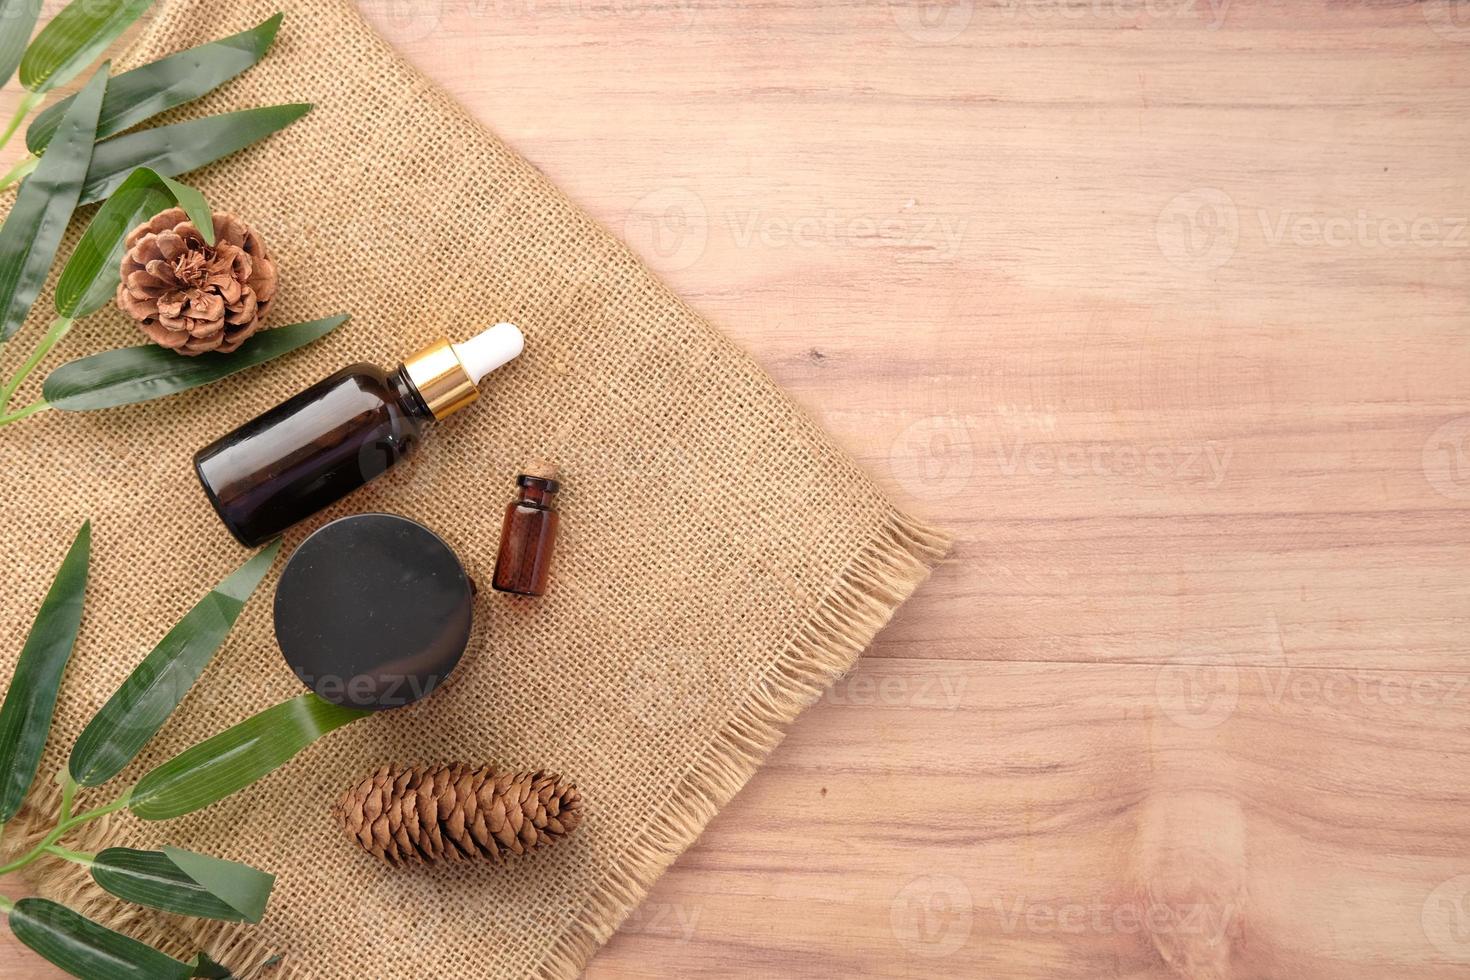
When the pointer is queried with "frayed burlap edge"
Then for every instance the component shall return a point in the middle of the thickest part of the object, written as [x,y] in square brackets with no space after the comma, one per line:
[860,603]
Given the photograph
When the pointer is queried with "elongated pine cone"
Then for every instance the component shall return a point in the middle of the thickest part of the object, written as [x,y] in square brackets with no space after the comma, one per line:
[456,812]
[192,297]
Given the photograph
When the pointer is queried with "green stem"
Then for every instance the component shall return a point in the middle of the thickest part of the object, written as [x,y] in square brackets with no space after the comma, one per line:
[6,905]
[68,792]
[54,333]
[27,102]
[95,812]
[19,171]
[78,857]
[34,852]
[61,828]
[25,413]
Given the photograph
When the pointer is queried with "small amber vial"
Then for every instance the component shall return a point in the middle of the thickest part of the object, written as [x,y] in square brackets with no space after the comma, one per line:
[528,534]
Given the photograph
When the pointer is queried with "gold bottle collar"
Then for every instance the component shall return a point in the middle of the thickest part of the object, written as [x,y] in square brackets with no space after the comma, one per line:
[441,379]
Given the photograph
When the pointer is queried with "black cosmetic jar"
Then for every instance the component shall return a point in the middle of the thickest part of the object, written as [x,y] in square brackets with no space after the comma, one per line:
[373,611]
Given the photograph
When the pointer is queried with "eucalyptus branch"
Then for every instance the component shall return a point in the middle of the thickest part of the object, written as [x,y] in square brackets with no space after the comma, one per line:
[81,153]
[61,172]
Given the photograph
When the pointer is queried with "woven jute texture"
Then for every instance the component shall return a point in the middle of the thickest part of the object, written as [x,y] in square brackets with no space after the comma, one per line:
[720,559]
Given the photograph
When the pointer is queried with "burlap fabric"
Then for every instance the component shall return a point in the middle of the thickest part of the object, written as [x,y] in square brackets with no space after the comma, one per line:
[720,560]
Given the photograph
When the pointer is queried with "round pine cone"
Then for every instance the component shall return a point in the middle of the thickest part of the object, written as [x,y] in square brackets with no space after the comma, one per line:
[456,812]
[192,297]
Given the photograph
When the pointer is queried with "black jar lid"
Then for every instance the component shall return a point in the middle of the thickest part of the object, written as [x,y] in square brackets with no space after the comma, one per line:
[373,611]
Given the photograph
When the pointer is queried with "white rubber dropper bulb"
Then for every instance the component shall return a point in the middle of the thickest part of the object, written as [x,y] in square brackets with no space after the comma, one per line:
[488,350]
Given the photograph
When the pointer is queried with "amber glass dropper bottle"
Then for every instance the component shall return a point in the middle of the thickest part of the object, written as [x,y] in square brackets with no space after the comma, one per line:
[316,447]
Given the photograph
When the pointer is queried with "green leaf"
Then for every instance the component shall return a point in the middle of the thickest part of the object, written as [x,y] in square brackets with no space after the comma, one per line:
[90,278]
[245,889]
[196,208]
[205,967]
[32,233]
[143,93]
[19,18]
[74,39]
[25,718]
[87,949]
[139,374]
[185,883]
[236,757]
[135,713]
[185,146]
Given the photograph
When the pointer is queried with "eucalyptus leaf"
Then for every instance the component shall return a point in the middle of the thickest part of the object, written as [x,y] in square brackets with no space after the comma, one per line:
[25,718]
[139,374]
[74,39]
[88,949]
[17,19]
[135,713]
[32,233]
[90,278]
[213,889]
[236,757]
[181,147]
[143,93]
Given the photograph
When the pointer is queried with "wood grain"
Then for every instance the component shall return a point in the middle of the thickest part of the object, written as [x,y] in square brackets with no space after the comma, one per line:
[1162,307]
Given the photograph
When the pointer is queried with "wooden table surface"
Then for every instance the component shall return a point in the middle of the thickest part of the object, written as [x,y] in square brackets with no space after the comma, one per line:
[1162,307]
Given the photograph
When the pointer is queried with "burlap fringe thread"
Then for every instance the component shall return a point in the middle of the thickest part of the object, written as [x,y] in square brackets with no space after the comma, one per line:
[862,601]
